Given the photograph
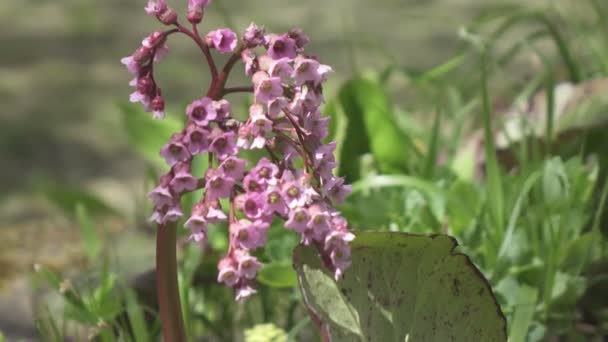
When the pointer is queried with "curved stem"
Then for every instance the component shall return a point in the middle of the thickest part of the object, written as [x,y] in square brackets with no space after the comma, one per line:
[204,48]
[300,135]
[166,284]
[245,89]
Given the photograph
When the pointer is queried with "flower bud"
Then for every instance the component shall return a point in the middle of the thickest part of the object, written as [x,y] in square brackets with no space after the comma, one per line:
[168,17]
[142,55]
[194,17]
[158,103]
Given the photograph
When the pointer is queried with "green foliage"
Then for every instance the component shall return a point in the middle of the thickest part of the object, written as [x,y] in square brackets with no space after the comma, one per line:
[523,190]
[278,275]
[147,136]
[363,111]
[91,240]
[265,333]
[402,287]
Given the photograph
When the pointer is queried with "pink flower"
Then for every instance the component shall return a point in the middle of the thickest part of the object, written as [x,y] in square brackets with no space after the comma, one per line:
[340,259]
[281,68]
[223,146]
[197,225]
[298,220]
[275,202]
[223,40]
[294,194]
[215,213]
[201,112]
[161,196]
[227,272]
[183,181]
[249,235]
[233,167]
[266,88]
[132,65]
[253,205]
[175,151]
[259,126]
[254,36]
[167,213]
[248,265]
[266,171]
[252,183]
[158,107]
[306,70]
[156,7]
[335,189]
[244,291]
[196,222]
[194,5]
[280,46]
[218,185]
[276,106]
[250,61]
[222,108]
[319,222]
[299,37]
[196,139]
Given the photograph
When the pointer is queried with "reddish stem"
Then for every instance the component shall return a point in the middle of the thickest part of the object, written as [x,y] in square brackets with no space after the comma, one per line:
[204,48]
[167,284]
[245,89]
[300,135]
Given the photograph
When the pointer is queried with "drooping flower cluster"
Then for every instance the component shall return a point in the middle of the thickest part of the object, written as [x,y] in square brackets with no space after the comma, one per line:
[295,183]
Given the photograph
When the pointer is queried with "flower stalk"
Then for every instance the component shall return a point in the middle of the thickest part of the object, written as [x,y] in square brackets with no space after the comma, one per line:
[285,120]
[167,284]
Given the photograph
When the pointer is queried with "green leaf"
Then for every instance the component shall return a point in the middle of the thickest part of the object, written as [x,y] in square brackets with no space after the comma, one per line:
[463,206]
[524,313]
[402,287]
[146,134]
[136,317]
[278,275]
[370,127]
[47,326]
[92,241]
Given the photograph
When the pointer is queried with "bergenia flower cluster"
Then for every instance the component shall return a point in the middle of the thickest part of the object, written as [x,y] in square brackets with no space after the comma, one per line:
[293,183]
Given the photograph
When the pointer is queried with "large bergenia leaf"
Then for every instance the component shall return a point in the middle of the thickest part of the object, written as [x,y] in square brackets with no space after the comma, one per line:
[401,287]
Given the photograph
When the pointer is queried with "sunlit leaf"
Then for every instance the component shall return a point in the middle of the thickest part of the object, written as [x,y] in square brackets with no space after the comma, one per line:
[402,287]
[278,275]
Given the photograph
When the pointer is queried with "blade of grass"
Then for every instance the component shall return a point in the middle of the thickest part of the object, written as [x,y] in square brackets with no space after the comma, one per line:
[47,327]
[518,16]
[493,177]
[598,216]
[136,317]
[515,214]
[92,242]
[293,333]
[524,313]
[433,149]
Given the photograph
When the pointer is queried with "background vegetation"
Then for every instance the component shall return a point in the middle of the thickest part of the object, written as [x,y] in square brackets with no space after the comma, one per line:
[483,122]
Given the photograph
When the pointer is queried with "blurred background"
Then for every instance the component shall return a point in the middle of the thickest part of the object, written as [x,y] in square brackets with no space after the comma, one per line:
[62,130]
